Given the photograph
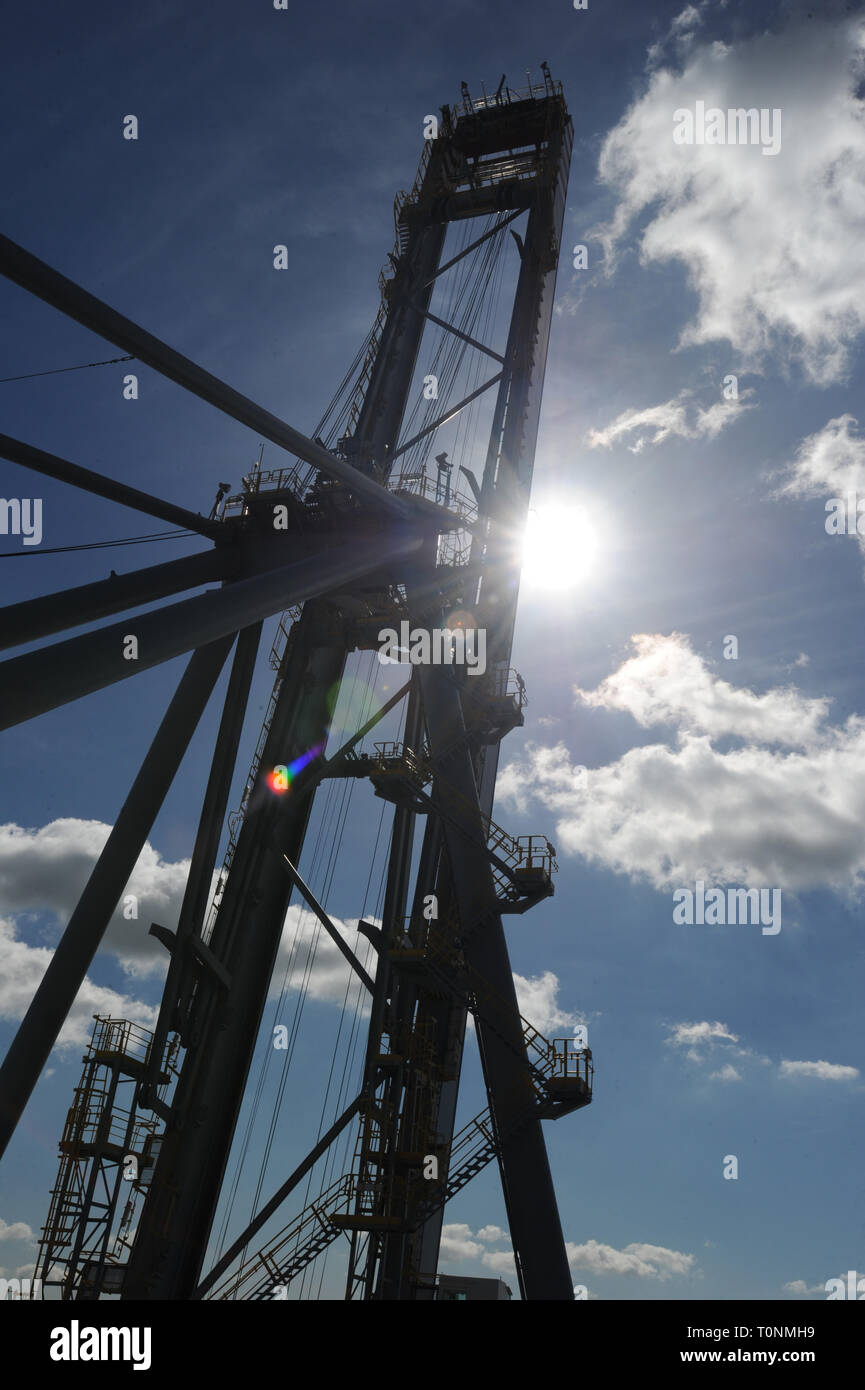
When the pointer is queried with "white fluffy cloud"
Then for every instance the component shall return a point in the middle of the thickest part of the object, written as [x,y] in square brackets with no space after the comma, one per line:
[314,961]
[769,278]
[645,1261]
[706,1043]
[15,1230]
[680,416]
[829,463]
[665,682]
[501,1262]
[21,970]
[801,1289]
[492,1233]
[726,1073]
[785,809]
[537,996]
[45,871]
[819,1071]
[457,1243]
[687,1034]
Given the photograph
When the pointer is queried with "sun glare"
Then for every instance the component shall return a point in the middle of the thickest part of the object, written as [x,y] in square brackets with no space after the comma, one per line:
[559,548]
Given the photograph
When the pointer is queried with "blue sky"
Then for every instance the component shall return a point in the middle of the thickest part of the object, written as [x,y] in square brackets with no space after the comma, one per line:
[260,127]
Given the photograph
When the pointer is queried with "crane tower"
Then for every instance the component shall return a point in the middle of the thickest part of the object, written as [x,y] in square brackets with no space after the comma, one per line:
[398,522]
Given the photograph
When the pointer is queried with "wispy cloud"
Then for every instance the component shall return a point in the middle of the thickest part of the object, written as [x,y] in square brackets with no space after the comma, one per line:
[680,416]
[705,1043]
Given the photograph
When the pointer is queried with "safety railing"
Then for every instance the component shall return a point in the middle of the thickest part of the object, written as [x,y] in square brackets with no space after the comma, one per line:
[421,484]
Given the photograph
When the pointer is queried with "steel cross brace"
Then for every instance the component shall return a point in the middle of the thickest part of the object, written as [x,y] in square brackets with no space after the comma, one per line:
[55,289]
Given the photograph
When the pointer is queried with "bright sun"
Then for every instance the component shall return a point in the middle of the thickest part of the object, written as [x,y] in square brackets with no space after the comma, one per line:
[559,548]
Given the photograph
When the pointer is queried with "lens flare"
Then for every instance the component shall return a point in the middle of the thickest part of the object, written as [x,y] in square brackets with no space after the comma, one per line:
[461,618]
[281,777]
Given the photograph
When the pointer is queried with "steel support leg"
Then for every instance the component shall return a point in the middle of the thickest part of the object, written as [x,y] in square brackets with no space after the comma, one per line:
[81,939]
[174,1226]
[539,1249]
[204,852]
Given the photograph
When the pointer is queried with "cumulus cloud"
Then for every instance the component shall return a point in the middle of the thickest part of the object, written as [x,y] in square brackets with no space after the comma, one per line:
[829,463]
[726,1073]
[45,871]
[765,280]
[15,1230]
[800,1289]
[308,958]
[457,1243]
[680,416]
[21,970]
[492,1233]
[501,1262]
[785,809]
[537,996]
[820,1071]
[666,682]
[644,1261]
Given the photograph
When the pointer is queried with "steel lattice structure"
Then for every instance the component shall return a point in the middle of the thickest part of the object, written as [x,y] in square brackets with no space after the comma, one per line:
[371,545]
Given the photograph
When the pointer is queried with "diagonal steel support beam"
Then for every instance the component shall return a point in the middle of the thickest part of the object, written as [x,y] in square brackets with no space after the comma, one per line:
[458,333]
[43,680]
[443,419]
[37,277]
[279,1197]
[197,892]
[16,451]
[474,246]
[332,765]
[42,617]
[328,924]
[81,940]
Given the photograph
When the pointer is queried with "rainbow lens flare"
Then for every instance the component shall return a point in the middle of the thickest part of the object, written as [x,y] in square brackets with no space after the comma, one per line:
[282,776]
